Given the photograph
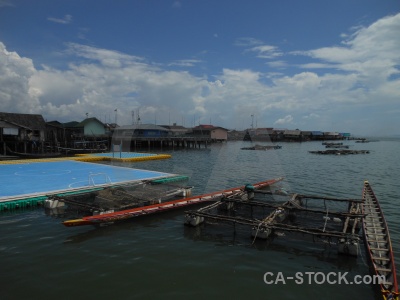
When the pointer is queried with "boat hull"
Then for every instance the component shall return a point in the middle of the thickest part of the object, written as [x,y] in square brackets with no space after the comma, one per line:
[378,243]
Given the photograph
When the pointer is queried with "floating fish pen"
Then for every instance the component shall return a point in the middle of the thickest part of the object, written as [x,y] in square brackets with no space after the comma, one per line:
[264,215]
[331,144]
[338,146]
[260,147]
[340,152]
[117,198]
[157,206]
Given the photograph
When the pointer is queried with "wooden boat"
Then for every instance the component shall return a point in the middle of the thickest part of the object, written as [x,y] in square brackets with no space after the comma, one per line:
[378,244]
[111,217]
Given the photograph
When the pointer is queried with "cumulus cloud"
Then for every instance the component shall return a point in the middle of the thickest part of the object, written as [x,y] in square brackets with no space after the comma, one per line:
[371,51]
[99,80]
[15,74]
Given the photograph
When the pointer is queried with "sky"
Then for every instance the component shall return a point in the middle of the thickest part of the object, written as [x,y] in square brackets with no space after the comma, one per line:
[309,65]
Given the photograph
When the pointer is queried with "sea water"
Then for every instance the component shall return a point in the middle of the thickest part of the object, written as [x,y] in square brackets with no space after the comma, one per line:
[157,257]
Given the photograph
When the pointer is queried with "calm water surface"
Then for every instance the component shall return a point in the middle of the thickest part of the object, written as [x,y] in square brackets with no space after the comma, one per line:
[156,257]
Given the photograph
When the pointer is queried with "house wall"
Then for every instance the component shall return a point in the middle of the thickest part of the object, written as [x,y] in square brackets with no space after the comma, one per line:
[152,133]
[94,128]
[219,134]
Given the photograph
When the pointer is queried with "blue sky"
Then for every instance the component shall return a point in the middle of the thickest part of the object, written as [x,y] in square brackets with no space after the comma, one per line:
[312,65]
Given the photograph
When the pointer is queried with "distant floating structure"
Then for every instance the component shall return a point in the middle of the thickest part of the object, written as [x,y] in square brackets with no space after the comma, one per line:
[247,136]
[261,147]
[340,152]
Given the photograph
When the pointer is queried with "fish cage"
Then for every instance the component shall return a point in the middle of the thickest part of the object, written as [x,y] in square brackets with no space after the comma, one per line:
[119,197]
[332,221]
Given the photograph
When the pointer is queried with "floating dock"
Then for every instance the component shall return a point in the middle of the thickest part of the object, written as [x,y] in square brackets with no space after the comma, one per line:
[93,157]
[27,183]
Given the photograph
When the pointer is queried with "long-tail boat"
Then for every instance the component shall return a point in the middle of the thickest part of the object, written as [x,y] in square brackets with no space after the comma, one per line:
[108,218]
[378,244]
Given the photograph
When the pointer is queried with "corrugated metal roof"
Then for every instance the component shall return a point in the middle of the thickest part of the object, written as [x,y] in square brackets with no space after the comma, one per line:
[30,121]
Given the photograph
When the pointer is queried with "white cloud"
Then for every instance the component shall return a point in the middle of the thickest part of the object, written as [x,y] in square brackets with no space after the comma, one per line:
[372,51]
[247,42]
[108,58]
[266,51]
[99,80]
[15,73]
[66,20]
[284,121]
[185,63]
[312,116]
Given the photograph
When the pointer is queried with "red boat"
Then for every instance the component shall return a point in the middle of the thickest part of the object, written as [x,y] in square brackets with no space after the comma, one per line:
[107,218]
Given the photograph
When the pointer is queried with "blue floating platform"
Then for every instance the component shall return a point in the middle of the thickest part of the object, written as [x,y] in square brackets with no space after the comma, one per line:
[26,180]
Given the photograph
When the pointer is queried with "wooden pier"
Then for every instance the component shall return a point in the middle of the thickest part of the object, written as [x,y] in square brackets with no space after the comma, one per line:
[160,143]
